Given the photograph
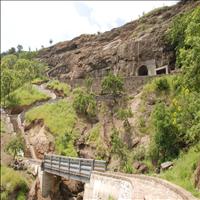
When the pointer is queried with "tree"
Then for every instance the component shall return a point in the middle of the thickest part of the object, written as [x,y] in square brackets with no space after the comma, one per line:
[19,47]
[84,103]
[15,146]
[12,50]
[112,84]
[50,41]
[165,138]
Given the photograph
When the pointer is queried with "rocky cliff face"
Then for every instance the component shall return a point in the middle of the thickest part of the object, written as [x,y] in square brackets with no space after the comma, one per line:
[122,50]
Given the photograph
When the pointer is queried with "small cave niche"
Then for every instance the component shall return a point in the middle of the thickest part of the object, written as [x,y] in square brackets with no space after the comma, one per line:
[142,71]
[161,71]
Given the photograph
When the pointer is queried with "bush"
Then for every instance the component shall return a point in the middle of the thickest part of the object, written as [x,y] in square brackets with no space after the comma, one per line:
[84,103]
[162,85]
[10,181]
[118,147]
[112,84]
[165,137]
[15,146]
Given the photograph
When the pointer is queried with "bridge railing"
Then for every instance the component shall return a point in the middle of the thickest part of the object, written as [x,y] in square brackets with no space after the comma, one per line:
[70,167]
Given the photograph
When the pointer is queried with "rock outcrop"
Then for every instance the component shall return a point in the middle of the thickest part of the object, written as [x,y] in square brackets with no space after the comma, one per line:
[122,50]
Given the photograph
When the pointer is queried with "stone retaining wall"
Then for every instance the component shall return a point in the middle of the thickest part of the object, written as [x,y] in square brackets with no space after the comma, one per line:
[131,84]
[137,187]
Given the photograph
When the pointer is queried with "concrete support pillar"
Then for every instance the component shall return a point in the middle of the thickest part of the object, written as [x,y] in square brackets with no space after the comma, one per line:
[47,181]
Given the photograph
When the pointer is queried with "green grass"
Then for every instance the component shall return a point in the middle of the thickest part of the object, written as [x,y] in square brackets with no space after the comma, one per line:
[2,127]
[60,118]
[60,87]
[39,81]
[94,135]
[10,181]
[183,170]
[24,96]
[95,139]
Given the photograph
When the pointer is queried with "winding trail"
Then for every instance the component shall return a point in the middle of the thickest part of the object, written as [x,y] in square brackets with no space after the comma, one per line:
[17,121]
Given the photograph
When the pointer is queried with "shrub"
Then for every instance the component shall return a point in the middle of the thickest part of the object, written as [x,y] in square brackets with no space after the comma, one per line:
[11,181]
[118,147]
[88,83]
[112,84]
[15,146]
[84,103]
[162,85]
[165,137]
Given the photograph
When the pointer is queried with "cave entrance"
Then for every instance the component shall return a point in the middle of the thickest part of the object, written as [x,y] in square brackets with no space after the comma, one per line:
[143,71]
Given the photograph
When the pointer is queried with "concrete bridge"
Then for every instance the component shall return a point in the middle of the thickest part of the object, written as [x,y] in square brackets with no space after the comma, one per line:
[102,184]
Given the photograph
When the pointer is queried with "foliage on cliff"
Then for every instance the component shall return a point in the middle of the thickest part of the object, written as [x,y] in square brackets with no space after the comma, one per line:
[59,87]
[184,35]
[16,70]
[12,182]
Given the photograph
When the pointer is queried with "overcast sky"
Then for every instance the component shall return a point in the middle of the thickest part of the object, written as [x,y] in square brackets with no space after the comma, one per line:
[34,23]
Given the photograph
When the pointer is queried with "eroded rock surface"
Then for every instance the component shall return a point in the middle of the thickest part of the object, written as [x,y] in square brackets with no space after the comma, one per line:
[122,49]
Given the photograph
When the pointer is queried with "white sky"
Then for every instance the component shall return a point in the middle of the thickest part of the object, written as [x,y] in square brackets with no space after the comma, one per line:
[33,23]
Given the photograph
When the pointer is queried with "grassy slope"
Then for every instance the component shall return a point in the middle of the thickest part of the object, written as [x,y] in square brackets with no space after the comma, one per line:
[10,181]
[25,95]
[58,86]
[183,170]
[60,118]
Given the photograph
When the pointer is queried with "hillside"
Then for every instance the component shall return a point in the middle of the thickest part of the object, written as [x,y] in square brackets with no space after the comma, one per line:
[122,50]
[138,124]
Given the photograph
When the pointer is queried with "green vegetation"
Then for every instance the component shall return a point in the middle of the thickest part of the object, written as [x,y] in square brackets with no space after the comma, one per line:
[183,170]
[84,103]
[88,83]
[184,35]
[39,80]
[16,70]
[124,114]
[60,118]
[57,86]
[2,127]
[112,84]
[12,181]
[165,137]
[95,139]
[25,95]
[15,146]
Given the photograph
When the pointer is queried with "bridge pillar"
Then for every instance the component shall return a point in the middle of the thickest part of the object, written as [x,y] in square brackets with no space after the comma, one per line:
[47,183]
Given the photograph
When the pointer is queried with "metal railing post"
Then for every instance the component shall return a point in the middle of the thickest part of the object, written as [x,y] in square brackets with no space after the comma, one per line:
[79,166]
[92,165]
[51,162]
[69,165]
[59,163]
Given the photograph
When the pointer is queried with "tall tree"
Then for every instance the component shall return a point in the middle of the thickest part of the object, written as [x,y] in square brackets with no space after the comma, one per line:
[19,47]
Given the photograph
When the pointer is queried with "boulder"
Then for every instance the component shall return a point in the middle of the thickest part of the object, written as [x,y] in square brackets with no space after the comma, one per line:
[140,167]
[143,168]
[166,165]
